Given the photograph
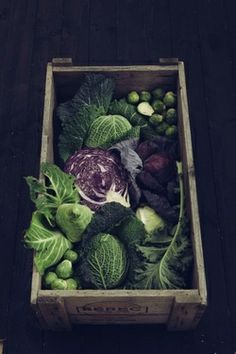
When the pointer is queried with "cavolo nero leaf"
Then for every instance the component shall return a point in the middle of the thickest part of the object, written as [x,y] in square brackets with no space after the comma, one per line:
[167,266]
[49,244]
[58,189]
[91,101]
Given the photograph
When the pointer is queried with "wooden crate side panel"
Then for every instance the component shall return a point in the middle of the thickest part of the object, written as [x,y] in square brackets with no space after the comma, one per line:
[189,177]
[45,156]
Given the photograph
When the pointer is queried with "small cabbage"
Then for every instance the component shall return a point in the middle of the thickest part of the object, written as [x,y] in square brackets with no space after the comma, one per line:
[64,269]
[71,284]
[71,256]
[152,221]
[59,284]
[73,220]
[107,130]
[106,262]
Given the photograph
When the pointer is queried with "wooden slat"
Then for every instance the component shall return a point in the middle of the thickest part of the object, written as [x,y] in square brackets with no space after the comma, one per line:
[196,237]
[54,313]
[160,69]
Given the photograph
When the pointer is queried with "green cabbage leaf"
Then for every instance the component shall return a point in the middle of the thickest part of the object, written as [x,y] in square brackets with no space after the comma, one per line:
[49,244]
[59,188]
[91,101]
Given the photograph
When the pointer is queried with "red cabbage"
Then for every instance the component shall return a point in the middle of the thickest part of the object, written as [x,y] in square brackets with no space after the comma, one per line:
[96,172]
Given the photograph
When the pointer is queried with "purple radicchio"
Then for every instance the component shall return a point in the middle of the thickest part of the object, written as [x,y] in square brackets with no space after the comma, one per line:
[97,172]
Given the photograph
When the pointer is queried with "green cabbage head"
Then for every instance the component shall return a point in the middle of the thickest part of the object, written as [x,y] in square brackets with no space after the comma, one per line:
[107,130]
[106,261]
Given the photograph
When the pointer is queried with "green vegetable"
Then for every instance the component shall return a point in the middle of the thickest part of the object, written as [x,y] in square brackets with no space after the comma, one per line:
[71,284]
[113,196]
[171,116]
[59,190]
[133,97]
[59,284]
[106,261]
[158,93]
[145,109]
[49,278]
[156,119]
[71,256]
[158,106]
[168,266]
[49,244]
[91,101]
[107,130]
[169,99]
[145,96]
[150,219]
[73,219]
[128,111]
[161,128]
[64,269]
[171,131]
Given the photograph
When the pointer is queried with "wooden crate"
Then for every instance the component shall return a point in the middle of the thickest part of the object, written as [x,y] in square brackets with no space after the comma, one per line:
[179,309]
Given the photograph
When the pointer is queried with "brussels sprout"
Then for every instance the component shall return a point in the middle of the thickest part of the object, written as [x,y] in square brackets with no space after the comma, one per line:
[49,278]
[71,256]
[145,96]
[161,128]
[171,131]
[171,116]
[156,119]
[158,93]
[145,108]
[59,284]
[71,284]
[64,269]
[133,97]
[158,106]
[169,99]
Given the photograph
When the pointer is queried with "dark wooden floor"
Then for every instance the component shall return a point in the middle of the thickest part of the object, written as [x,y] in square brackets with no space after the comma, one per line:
[203,34]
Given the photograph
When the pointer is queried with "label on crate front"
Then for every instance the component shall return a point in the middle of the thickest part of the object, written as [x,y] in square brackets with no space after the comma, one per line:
[112,307]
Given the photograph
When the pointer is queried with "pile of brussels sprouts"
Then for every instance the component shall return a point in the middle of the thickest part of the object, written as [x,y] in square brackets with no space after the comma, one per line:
[159,107]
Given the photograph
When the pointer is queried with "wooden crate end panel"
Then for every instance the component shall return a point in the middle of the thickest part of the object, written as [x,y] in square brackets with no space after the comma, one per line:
[134,319]
[54,313]
[118,306]
[185,313]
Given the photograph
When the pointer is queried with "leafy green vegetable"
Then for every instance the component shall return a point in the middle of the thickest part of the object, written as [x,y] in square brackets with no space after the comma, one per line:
[91,101]
[105,219]
[107,130]
[106,261]
[115,219]
[48,197]
[133,97]
[71,284]
[64,269]
[150,218]
[48,279]
[59,284]
[71,256]
[49,244]
[167,266]
[128,111]
[145,108]
[73,219]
